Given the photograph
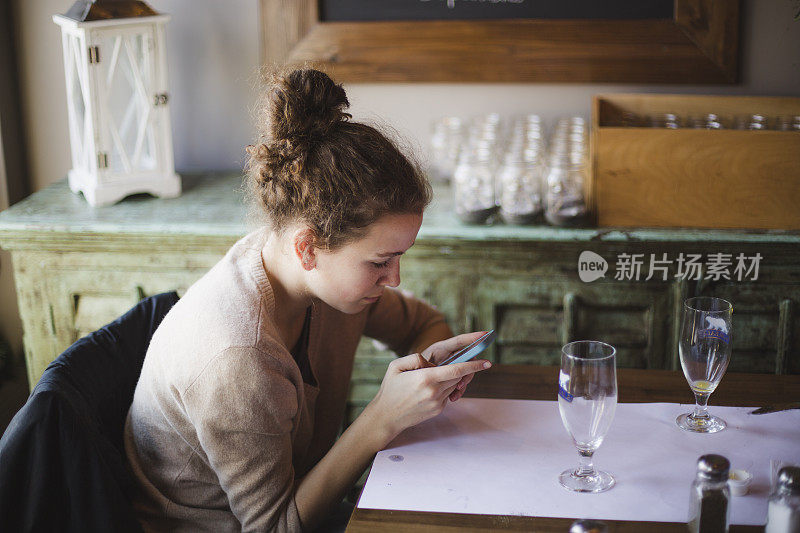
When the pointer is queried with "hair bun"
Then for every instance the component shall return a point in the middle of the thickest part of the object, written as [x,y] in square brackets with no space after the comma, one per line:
[304,106]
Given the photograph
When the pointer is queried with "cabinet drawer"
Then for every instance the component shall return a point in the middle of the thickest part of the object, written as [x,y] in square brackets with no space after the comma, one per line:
[93,310]
[535,318]
[84,291]
[766,333]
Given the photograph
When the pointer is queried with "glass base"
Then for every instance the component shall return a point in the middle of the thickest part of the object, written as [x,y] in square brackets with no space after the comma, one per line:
[599,482]
[710,424]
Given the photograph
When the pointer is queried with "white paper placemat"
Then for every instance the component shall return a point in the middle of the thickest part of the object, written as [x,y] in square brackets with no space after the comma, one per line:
[503,457]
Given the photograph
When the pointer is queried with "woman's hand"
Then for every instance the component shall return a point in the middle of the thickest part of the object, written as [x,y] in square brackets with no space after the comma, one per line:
[414,390]
[439,351]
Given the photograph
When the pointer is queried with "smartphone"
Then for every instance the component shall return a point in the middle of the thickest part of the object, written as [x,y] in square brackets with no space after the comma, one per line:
[469,352]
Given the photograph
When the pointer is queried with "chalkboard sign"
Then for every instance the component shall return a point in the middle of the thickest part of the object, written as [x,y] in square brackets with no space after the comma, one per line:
[375,10]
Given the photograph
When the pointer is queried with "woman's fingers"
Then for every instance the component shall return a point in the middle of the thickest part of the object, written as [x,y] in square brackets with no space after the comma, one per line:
[452,344]
[461,387]
[410,362]
[458,370]
[438,374]
[441,381]
[450,384]
[456,394]
[464,381]
[448,391]
[450,376]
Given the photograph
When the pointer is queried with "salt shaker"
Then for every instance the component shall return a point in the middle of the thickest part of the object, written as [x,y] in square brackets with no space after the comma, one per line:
[588,526]
[709,502]
[783,512]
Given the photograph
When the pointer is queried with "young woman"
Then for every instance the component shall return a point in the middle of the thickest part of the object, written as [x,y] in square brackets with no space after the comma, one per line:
[242,394]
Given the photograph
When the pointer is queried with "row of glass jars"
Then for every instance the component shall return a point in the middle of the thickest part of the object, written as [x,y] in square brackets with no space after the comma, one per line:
[712,121]
[512,170]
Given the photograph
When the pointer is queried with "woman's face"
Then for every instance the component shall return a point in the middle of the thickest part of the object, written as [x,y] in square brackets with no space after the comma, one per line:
[353,276]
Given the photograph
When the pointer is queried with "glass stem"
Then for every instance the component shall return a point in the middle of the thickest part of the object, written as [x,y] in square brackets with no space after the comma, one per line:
[585,464]
[700,406]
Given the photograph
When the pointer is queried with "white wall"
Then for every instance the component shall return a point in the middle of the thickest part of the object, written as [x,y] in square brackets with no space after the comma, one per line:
[213,54]
[213,51]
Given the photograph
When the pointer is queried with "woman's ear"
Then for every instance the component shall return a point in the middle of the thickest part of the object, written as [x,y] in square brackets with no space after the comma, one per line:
[304,248]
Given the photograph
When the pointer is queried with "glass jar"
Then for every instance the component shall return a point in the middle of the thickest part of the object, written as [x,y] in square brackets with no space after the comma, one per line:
[473,186]
[564,199]
[783,510]
[630,119]
[520,195]
[446,141]
[588,526]
[752,122]
[709,121]
[665,120]
[709,500]
[788,123]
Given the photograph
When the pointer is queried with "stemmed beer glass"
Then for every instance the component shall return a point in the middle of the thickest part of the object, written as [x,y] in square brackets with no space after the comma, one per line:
[705,350]
[587,399]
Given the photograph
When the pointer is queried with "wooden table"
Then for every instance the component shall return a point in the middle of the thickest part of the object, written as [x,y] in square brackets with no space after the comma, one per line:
[540,383]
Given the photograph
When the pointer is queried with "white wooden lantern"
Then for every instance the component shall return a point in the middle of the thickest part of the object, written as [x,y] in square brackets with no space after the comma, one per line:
[116,73]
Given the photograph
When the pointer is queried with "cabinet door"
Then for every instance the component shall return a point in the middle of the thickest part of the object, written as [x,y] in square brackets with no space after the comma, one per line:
[535,318]
[84,291]
[766,333]
[438,283]
[88,300]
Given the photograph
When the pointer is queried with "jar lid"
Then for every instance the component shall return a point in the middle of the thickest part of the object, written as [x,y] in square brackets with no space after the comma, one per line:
[789,478]
[713,467]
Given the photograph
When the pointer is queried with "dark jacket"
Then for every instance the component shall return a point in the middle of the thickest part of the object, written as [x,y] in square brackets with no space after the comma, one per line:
[62,462]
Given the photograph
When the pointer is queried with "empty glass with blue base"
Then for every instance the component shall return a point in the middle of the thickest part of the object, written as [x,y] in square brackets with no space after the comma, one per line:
[587,399]
[705,350]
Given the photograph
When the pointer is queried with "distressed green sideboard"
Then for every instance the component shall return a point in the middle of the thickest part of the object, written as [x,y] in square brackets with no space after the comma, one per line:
[78,267]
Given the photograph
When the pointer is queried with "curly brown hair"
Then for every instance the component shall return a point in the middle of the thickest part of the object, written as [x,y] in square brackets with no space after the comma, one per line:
[311,163]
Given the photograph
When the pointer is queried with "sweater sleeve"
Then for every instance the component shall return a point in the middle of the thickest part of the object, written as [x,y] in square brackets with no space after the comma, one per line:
[398,321]
[242,405]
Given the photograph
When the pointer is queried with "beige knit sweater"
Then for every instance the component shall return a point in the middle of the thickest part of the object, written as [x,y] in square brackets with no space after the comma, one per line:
[222,424]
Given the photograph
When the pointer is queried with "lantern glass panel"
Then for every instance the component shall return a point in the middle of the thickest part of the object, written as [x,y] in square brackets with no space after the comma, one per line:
[127,74]
[76,101]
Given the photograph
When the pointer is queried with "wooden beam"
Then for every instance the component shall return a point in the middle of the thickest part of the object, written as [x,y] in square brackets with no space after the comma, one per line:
[713,26]
[698,46]
[283,23]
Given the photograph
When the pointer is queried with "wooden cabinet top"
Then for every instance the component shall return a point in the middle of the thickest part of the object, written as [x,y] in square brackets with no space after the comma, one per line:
[211,210]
